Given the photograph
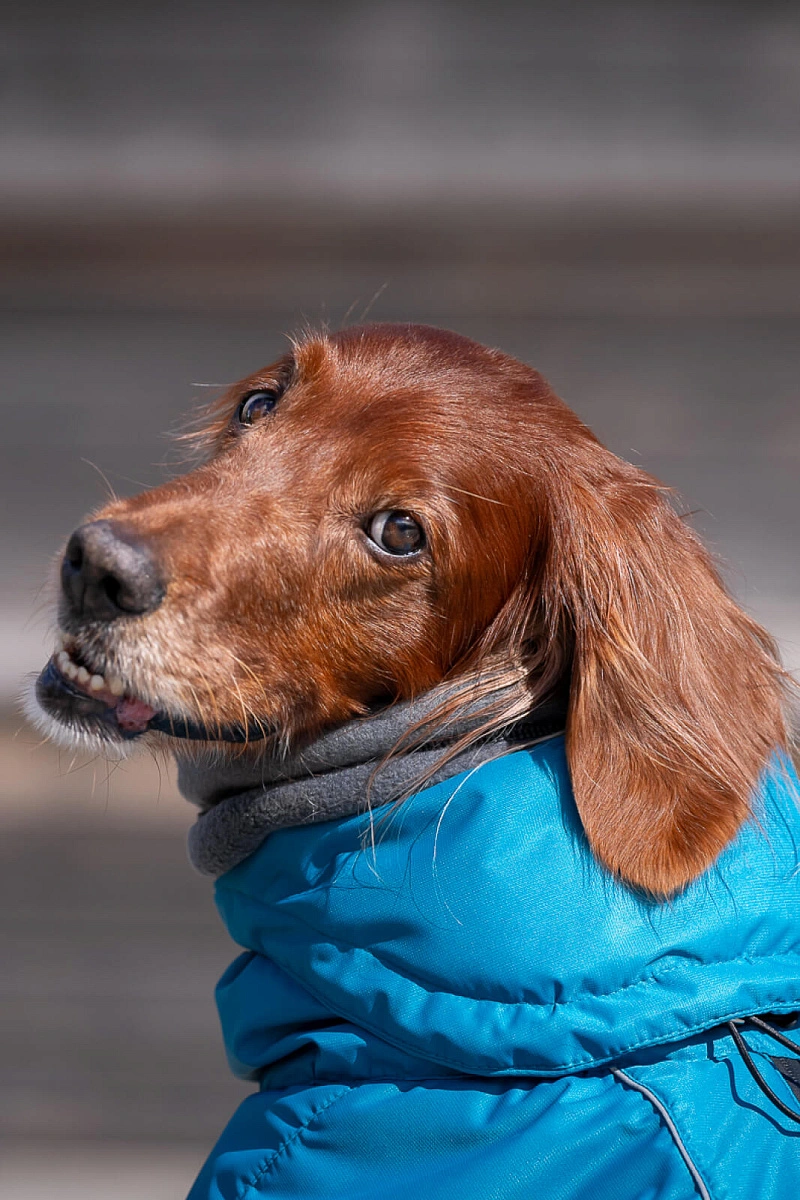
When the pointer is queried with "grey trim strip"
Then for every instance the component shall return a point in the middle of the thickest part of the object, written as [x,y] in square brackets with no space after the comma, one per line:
[670,1124]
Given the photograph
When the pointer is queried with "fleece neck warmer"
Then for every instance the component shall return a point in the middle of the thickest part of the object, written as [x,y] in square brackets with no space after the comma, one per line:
[243,797]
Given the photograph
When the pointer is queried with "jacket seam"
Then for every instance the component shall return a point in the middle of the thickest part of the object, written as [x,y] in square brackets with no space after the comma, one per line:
[253,1182]
[707,1023]
[547,1072]
[655,977]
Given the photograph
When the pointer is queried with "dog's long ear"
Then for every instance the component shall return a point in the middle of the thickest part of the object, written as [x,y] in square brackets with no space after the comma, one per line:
[677,697]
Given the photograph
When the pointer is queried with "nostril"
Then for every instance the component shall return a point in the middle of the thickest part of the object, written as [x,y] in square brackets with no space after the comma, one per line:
[108,572]
[73,556]
[132,596]
[112,588]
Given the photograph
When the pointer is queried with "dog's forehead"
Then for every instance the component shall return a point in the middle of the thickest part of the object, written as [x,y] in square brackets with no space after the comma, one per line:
[389,339]
[391,356]
[412,383]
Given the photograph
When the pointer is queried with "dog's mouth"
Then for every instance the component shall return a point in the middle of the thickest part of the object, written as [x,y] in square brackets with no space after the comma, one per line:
[86,702]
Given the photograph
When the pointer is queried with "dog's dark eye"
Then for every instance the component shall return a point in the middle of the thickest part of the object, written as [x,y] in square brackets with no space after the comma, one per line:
[257,404]
[396,532]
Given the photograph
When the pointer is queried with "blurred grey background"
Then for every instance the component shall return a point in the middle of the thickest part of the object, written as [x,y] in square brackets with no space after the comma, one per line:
[610,191]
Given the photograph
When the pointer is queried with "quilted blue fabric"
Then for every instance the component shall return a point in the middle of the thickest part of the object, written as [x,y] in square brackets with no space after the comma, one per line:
[456,999]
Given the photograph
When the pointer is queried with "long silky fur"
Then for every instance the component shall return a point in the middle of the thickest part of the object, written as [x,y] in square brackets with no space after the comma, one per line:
[547,554]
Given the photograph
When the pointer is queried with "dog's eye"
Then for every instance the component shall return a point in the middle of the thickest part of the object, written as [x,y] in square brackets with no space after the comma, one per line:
[257,404]
[396,532]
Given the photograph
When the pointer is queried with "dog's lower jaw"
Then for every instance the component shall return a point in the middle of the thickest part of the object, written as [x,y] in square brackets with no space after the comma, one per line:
[83,711]
[74,735]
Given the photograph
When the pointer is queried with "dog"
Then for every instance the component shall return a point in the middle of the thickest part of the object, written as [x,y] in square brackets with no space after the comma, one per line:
[391,506]
[392,513]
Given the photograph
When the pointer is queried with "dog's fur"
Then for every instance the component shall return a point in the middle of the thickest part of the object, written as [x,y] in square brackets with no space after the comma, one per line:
[545,553]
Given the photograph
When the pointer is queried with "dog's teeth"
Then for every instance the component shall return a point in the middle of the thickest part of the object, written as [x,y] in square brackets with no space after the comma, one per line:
[81,675]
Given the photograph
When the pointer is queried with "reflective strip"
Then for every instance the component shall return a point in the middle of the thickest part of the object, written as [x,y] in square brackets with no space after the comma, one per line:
[670,1124]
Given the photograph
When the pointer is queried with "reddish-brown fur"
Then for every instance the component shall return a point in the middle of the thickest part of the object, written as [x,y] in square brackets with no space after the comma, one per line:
[546,553]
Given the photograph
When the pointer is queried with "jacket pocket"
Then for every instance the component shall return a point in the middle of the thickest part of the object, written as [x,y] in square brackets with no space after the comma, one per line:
[734,1140]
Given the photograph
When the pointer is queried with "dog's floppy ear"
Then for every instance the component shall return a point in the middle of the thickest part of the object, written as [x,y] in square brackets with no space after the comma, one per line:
[676,697]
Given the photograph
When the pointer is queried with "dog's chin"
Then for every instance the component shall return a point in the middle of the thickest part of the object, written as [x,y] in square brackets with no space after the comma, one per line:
[73,730]
[83,710]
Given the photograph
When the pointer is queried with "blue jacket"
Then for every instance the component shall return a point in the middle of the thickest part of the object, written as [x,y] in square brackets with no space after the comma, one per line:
[467,1007]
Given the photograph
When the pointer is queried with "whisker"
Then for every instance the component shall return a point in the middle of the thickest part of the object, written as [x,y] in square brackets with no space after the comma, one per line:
[349,313]
[198,706]
[374,300]
[478,496]
[261,688]
[111,491]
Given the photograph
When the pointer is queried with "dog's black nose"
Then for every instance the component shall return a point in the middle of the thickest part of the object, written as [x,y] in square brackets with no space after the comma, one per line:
[108,573]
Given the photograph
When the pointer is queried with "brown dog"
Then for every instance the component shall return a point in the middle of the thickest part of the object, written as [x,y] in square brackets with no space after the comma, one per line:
[392,506]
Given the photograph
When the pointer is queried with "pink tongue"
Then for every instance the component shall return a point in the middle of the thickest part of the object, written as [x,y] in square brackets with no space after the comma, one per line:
[133,715]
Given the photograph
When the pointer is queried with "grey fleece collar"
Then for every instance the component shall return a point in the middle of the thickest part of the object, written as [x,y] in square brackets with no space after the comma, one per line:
[244,799]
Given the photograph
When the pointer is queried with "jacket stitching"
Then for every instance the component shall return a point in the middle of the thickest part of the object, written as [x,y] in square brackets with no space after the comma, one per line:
[548,1072]
[653,978]
[265,1168]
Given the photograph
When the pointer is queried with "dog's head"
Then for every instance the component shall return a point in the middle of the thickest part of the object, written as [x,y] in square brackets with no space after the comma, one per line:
[393,506]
